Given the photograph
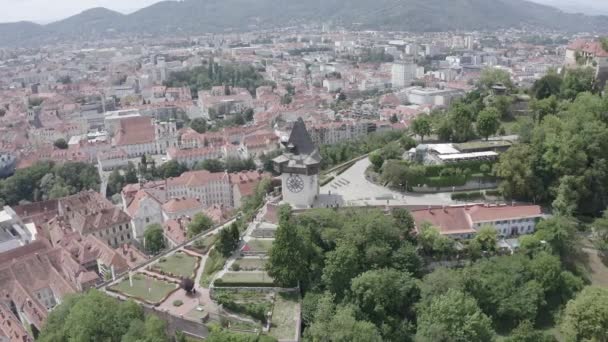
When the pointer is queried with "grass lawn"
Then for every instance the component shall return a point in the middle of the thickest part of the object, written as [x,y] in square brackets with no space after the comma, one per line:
[247,277]
[250,264]
[284,316]
[179,264]
[215,262]
[146,288]
[260,246]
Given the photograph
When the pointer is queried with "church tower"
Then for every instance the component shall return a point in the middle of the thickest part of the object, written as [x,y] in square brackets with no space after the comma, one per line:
[299,167]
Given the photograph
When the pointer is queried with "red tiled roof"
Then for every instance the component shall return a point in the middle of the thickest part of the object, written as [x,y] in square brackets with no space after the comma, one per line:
[137,130]
[196,178]
[493,213]
[175,230]
[448,220]
[589,46]
[176,205]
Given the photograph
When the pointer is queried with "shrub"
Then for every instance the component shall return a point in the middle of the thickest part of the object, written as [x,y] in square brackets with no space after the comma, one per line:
[236,267]
[177,302]
[468,196]
[494,193]
[222,283]
[256,310]
[162,259]
[443,182]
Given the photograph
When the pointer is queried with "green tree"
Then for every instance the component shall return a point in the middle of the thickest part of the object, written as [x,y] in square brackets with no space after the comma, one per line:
[342,264]
[154,238]
[530,244]
[211,165]
[559,233]
[394,119]
[249,113]
[131,174]
[488,122]
[239,119]
[492,76]
[199,125]
[95,316]
[549,85]
[461,118]
[502,104]
[433,243]
[453,316]
[407,259]
[544,107]
[487,238]
[199,224]
[287,263]
[505,289]
[586,317]
[61,144]
[225,243]
[377,160]
[438,283]
[577,81]
[407,142]
[444,129]
[516,170]
[339,324]
[115,182]
[235,232]
[525,333]
[421,126]
[171,169]
[404,221]
[384,294]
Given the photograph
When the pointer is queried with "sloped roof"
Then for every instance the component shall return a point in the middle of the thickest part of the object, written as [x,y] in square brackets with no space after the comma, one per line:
[300,138]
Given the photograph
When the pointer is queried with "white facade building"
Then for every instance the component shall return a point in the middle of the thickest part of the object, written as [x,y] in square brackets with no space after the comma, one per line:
[403,73]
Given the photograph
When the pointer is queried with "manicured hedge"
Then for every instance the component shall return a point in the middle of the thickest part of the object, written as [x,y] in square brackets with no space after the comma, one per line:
[222,283]
[442,182]
[468,196]
[494,193]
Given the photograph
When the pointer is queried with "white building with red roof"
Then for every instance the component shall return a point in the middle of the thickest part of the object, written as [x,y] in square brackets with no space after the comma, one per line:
[586,52]
[139,136]
[463,222]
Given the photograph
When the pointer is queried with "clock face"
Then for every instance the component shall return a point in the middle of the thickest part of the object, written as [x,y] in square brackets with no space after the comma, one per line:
[295,184]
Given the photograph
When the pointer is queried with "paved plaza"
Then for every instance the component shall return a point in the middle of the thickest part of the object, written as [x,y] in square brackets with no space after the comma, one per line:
[351,188]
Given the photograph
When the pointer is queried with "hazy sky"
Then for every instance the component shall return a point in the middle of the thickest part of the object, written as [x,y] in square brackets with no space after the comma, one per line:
[45,11]
[50,10]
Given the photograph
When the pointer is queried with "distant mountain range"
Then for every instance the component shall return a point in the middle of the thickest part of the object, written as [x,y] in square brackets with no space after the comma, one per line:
[199,16]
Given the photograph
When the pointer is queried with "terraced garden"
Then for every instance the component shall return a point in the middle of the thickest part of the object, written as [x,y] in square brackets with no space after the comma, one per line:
[145,288]
[179,265]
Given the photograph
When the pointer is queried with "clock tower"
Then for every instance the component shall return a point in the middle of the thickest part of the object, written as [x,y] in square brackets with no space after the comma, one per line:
[299,167]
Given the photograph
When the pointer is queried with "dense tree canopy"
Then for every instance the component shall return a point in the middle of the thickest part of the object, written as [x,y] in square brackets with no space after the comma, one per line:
[586,317]
[213,74]
[453,316]
[565,161]
[95,316]
[47,180]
